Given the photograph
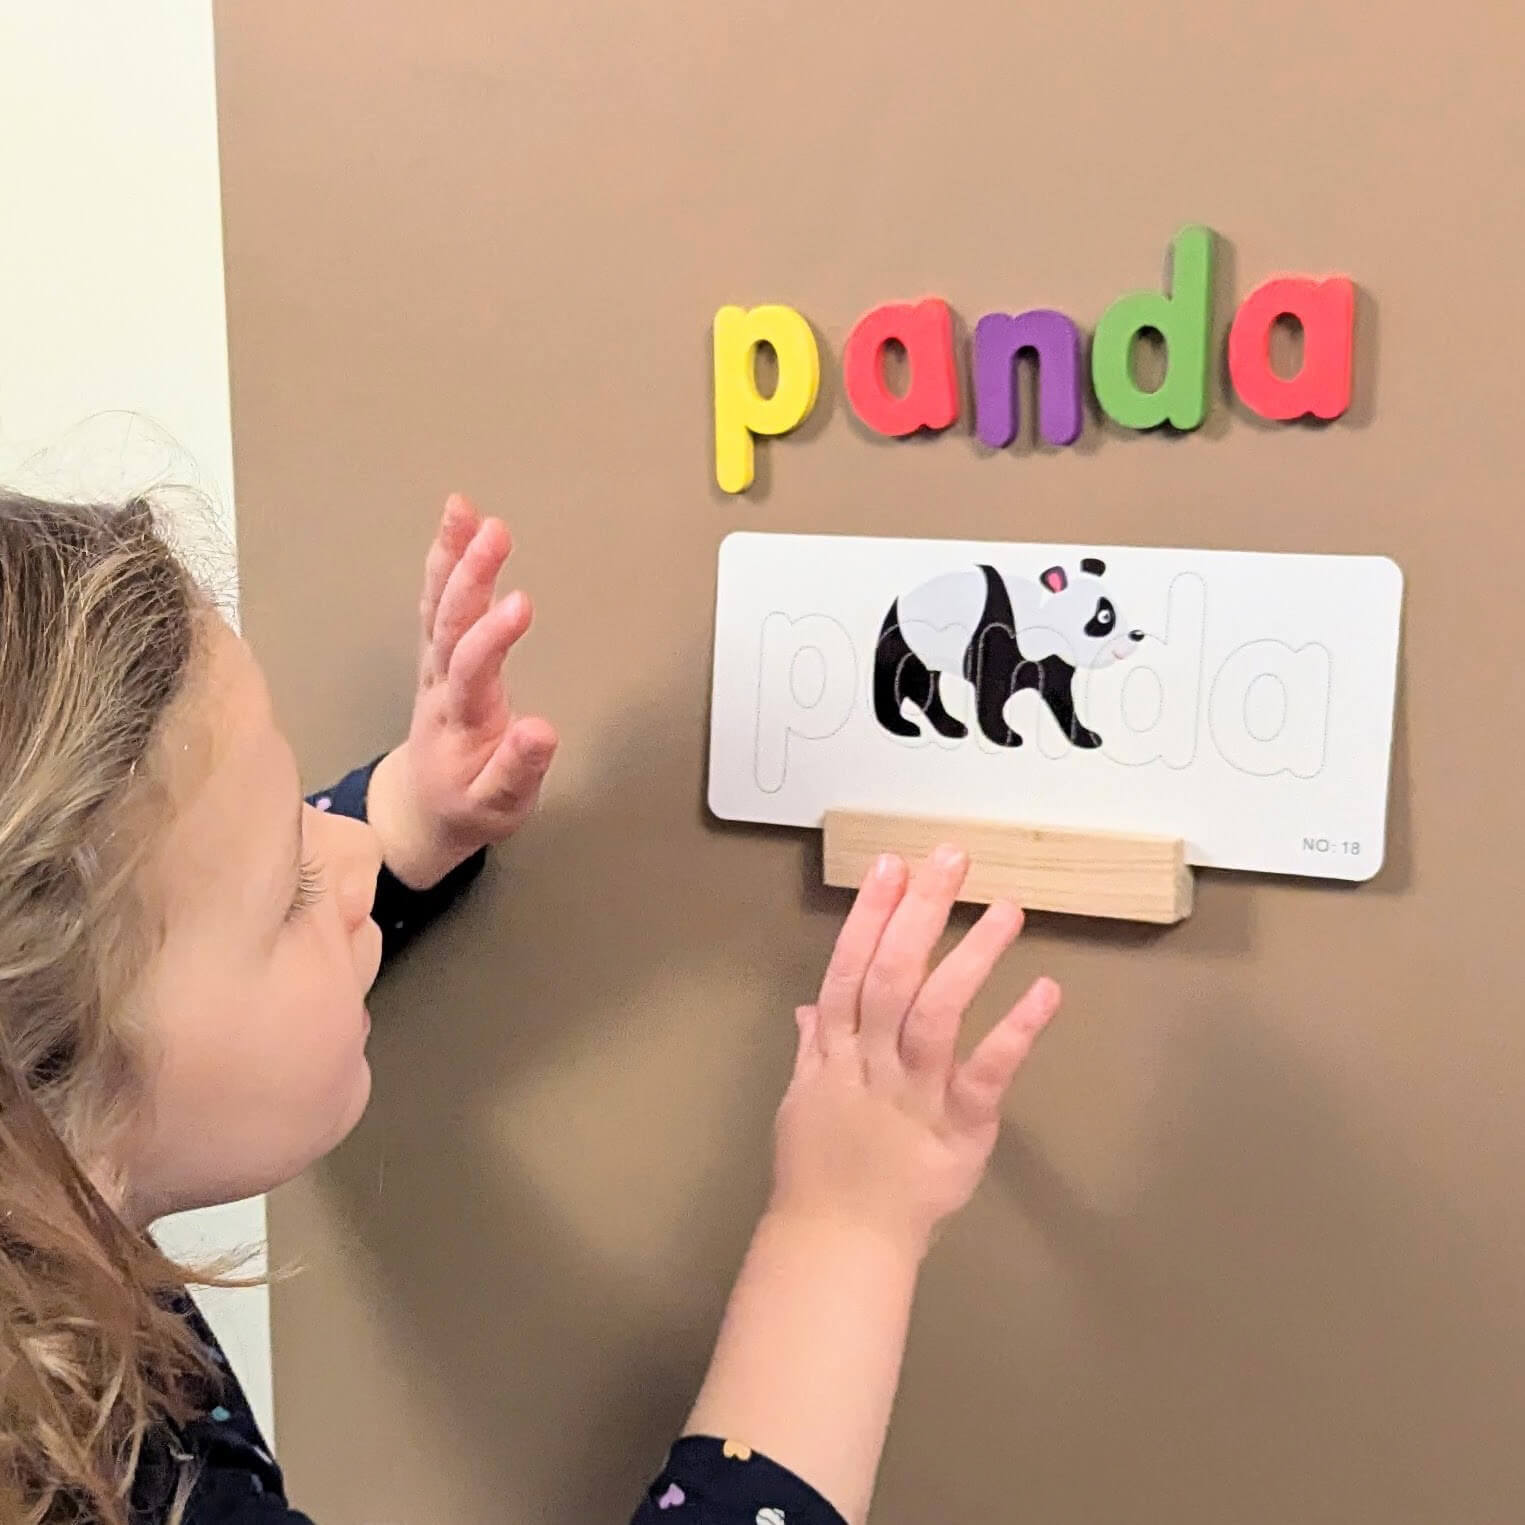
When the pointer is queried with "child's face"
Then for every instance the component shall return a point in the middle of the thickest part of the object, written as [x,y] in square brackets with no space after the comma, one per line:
[256,1001]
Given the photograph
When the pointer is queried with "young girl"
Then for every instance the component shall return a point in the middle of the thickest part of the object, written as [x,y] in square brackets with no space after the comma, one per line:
[185,949]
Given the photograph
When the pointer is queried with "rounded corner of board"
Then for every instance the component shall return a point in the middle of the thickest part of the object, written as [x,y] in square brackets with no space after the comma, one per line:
[1378,862]
[716,809]
[1394,569]
[729,541]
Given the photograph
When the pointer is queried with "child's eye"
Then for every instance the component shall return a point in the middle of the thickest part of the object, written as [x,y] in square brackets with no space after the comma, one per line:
[309,890]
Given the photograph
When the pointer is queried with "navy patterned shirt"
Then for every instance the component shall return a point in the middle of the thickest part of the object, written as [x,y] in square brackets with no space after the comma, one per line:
[704,1481]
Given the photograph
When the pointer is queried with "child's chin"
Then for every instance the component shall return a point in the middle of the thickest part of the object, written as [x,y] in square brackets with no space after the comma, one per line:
[355,1109]
[362,1092]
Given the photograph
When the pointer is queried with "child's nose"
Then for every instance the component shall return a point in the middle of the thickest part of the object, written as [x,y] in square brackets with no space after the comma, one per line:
[360,862]
[1135,635]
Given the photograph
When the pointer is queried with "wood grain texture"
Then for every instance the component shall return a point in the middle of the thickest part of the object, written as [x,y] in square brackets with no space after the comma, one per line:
[1040,868]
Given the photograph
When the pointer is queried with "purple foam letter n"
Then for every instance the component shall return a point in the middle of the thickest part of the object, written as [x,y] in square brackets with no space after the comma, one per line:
[998,340]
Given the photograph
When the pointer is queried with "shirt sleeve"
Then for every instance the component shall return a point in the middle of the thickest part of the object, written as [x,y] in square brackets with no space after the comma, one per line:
[399,911]
[721,1482]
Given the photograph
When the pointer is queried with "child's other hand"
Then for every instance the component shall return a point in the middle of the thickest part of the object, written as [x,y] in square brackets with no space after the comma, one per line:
[881,1128]
[471,768]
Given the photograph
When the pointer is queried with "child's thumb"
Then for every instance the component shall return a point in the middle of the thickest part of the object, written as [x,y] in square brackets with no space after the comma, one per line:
[974,1095]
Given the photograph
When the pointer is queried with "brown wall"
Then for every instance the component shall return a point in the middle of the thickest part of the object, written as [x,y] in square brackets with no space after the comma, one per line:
[1251,1251]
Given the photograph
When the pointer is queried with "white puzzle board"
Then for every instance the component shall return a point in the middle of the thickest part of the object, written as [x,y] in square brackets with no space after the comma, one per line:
[1242,701]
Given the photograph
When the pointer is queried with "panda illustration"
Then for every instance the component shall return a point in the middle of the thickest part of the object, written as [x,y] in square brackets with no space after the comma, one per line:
[966,622]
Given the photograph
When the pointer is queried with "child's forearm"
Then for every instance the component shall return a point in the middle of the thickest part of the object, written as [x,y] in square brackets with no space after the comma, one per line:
[809,1353]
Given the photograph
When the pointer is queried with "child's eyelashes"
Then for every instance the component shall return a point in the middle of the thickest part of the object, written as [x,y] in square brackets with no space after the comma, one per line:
[309,890]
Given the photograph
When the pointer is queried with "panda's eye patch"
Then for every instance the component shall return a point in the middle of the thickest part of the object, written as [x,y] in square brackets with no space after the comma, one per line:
[1103,620]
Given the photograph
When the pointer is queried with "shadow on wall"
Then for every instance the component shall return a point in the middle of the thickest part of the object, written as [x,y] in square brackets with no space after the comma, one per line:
[576,927]
[1266,1257]
[1275,1280]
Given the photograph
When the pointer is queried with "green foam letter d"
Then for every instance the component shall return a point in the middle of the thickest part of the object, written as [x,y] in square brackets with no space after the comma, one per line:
[1184,321]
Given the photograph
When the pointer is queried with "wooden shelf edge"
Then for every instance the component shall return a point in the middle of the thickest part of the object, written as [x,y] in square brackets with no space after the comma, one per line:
[1112,874]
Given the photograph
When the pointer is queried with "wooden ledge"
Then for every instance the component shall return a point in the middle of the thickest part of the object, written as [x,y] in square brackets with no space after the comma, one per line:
[1040,868]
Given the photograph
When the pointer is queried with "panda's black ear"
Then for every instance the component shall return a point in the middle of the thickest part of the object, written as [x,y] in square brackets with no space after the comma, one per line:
[1094,566]
[1055,580]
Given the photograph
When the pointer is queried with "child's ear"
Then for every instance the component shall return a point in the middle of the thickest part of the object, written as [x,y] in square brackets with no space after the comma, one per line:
[1055,580]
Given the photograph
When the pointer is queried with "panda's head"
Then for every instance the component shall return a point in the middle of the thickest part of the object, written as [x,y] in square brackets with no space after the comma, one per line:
[1083,615]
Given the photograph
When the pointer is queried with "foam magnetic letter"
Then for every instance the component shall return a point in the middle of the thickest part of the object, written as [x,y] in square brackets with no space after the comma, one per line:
[931,400]
[1055,341]
[1327,312]
[1183,321]
[741,411]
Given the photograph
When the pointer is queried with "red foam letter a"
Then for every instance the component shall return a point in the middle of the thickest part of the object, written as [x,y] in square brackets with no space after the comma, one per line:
[1326,310]
[931,400]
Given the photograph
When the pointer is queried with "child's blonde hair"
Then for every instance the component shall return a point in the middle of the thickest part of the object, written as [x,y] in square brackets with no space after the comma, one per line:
[99,638]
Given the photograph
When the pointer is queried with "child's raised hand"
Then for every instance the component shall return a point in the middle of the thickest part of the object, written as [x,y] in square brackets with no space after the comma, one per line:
[881,1127]
[471,768]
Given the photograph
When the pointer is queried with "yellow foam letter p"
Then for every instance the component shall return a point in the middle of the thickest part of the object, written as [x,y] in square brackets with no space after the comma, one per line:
[741,411]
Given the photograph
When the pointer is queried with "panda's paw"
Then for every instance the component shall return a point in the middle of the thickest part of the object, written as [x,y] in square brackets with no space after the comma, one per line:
[1003,738]
[1088,741]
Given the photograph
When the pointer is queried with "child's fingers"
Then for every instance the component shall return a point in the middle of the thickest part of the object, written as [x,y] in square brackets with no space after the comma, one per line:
[469,589]
[877,898]
[974,1096]
[808,1020]
[511,779]
[900,963]
[475,679]
[457,525]
[929,1038]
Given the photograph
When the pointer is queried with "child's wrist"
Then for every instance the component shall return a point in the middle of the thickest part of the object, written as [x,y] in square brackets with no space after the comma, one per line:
[412,847]
[832,1232]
